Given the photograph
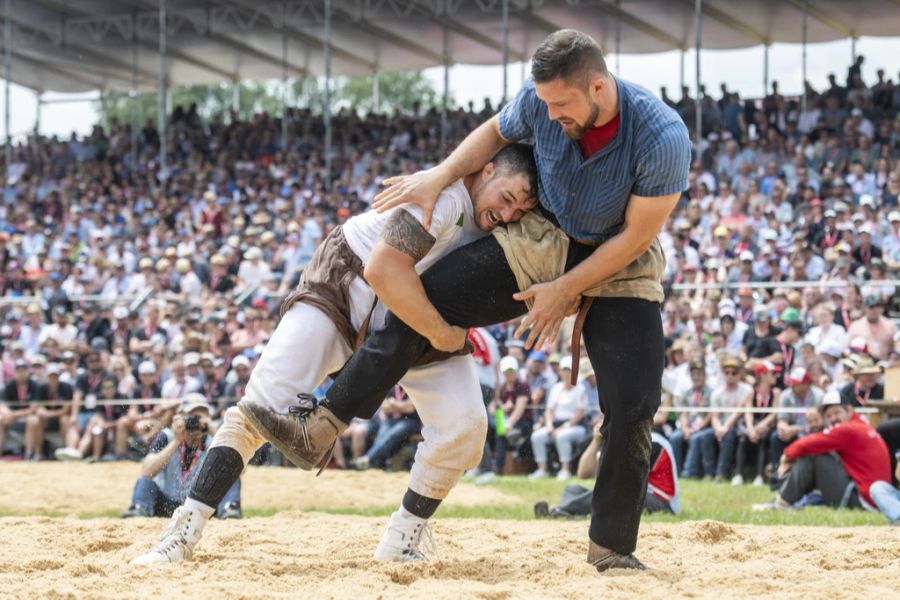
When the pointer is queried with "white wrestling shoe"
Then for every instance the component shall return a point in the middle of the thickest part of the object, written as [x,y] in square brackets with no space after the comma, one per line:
[67,454]
[177,540]
[402,537]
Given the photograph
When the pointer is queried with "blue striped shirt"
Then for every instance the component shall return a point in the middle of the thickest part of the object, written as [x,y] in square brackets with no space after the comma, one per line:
[650,156]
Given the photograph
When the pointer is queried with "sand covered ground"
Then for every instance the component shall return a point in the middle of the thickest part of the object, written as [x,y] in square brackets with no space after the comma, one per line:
[90,489]
[314,555]
[298,553]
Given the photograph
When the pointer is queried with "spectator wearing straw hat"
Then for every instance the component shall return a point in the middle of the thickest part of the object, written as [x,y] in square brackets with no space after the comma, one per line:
[173,463]
[694,427]
[253,272]
[865,385]
[733,393]
[189,284]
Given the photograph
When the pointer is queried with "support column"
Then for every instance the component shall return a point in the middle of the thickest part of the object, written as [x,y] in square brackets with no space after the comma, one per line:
[7,76]
[618,40]
[803,82]
[765,69]
[445,99]
[135,102]
[236,97]
[853,49]
[285,141]
[163,93]
[505,51]
[327,108]
[698,101]
[37,117]
[376,92]
[681,70]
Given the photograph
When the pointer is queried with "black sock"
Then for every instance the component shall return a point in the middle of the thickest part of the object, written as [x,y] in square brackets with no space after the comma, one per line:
[222,467]
[420,505]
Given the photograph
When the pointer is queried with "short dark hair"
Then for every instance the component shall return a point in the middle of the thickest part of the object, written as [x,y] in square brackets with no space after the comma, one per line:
[518,158]
[567,54]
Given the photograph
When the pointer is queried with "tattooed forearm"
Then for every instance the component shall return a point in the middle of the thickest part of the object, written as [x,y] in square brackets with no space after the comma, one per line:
[407,235]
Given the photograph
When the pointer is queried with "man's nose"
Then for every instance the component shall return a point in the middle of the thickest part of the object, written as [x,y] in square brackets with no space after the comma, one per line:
[507,213]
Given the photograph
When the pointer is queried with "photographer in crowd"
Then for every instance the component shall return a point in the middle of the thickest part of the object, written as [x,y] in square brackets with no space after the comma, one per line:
[174,461]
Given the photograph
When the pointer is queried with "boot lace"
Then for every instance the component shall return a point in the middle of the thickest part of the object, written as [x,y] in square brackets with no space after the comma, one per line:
[302,410]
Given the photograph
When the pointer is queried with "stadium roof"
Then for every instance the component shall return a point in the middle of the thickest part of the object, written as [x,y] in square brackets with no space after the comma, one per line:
[81,45]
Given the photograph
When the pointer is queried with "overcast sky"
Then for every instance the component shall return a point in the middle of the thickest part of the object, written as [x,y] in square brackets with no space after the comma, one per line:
[742,70]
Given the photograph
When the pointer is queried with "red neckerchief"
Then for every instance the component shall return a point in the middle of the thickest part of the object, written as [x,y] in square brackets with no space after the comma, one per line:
[93,382]
[697,398]
[744,314]
[865,255]
[214,281]
[763,401]
[182,452]
[787,358]
[108,409]
[845,316]
[863,400]
[830,239]
[146,394]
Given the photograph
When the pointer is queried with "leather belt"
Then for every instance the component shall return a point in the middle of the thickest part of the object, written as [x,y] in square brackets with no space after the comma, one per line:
[586,302]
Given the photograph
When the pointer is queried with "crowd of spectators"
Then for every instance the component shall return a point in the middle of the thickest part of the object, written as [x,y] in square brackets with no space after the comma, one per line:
[121,281]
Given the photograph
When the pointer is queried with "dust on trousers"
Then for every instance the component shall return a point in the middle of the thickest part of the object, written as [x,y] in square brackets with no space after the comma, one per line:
[306,347]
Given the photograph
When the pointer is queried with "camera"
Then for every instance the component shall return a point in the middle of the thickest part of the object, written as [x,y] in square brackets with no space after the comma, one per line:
[193,423]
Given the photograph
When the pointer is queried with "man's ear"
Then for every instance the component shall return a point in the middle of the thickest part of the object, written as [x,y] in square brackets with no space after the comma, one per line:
[487,172]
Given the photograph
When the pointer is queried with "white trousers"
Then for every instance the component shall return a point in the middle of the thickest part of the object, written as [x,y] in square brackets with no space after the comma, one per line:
[306,347]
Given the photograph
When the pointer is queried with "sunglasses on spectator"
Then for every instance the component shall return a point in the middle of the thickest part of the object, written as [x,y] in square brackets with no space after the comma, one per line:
[730,372]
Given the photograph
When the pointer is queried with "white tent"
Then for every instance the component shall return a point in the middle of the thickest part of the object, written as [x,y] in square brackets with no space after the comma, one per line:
[81,45]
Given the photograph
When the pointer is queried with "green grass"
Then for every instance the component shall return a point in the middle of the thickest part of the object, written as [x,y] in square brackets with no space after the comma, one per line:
[699,500]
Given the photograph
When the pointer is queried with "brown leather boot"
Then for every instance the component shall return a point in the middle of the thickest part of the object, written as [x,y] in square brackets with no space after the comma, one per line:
[603,559]
[305,435]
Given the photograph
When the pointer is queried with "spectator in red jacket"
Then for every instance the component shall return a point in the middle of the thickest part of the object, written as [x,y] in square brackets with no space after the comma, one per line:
[809,462]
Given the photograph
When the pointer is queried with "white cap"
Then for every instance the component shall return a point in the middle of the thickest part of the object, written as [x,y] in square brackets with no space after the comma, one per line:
[509,363]
[565,363]
[746,255]
[239,361]
[193,401]
[831,398]
[120,313]
[191,359]
[831,348]
[866,200]
[727,311]
[147,368]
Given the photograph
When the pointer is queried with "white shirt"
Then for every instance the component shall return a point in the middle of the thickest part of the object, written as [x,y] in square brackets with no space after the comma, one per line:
[175,390]
[835,333]
[452,225]
[564,403]
[254,275]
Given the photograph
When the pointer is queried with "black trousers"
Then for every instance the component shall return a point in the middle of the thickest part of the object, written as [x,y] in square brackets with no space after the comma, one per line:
[824,472]
[576,501]
[473,287]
